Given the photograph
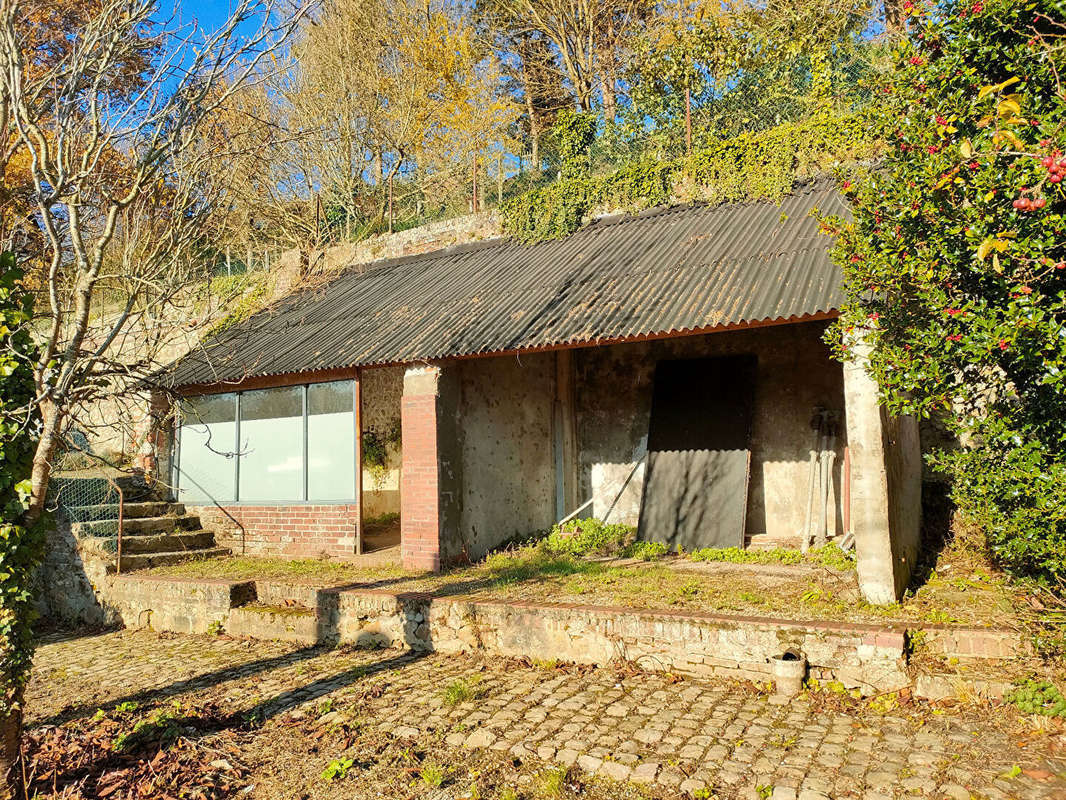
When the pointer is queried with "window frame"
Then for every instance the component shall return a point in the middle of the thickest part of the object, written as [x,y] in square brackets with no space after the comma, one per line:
[305,484]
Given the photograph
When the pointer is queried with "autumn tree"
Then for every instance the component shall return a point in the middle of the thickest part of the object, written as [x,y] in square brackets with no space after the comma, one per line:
[117,197]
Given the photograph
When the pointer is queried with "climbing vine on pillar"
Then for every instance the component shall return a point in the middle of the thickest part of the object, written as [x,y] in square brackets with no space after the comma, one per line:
[21,545]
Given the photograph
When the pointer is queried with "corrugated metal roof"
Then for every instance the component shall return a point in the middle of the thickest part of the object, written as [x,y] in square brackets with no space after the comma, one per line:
[662,272]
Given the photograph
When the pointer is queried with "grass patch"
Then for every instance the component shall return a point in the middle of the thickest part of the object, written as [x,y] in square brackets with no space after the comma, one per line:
[304,570]
[462,690]
[432,775]
[551,783]
[828,555]
[959,585]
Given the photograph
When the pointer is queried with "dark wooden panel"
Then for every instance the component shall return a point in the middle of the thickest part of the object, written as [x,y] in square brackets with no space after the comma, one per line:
[699,456]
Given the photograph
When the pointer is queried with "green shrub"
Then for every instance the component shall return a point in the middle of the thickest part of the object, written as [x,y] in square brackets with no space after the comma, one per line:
[954,264]
[337,769]
[22,545]
[761,165]
[1038,697]
[590,536]
[646,551]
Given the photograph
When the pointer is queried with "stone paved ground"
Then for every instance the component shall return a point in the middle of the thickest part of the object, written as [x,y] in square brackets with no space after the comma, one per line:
[674,737]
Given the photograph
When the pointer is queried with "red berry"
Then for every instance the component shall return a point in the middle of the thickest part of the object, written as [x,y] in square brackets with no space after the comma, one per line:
[1040,202]
[1017,202]
[1047,161]
[1055,178]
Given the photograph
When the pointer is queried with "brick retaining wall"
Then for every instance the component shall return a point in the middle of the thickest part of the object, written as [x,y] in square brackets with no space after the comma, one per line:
[296,531]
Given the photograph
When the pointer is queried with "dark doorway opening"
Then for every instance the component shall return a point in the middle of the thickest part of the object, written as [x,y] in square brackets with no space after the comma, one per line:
[699,452]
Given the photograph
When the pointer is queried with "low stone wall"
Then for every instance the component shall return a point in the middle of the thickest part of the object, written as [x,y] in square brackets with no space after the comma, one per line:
[867,657]
[72,581]
[173,605]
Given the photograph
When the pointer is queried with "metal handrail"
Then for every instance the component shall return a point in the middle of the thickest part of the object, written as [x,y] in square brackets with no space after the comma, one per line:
[218,505]
[121,507]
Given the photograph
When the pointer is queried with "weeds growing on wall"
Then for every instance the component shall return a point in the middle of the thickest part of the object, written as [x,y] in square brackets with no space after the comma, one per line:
[761,165]
[376,444]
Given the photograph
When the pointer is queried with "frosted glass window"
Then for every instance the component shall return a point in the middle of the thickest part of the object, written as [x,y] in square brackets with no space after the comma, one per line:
[272,465]
[330,441]
[206,461]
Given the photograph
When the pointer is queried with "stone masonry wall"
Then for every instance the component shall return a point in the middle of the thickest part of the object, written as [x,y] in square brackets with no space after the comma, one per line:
[867,657]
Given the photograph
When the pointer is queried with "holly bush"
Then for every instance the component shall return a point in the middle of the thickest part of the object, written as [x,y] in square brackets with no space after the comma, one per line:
[955,262]
[21,546]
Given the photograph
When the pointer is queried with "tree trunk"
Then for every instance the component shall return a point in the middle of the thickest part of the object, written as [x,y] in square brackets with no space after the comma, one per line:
[894,16]
[42,460]
[11,752]
[609,101]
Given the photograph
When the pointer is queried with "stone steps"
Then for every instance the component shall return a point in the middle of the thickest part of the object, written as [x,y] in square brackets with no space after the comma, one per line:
[146,560]
[297,624]
[168,543]
[139,510]
[191,542]
[137,525]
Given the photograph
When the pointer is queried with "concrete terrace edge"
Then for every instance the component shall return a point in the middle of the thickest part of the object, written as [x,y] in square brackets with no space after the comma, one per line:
[866,656]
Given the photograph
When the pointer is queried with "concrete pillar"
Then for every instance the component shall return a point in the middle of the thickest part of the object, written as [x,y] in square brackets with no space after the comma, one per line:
[886,486]
[430,477]
[565,435]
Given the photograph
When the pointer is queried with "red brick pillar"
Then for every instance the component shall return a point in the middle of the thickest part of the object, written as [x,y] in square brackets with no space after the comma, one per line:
[154,455]
[420,483]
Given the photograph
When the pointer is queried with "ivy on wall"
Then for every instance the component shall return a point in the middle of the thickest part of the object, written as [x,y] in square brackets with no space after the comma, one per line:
[761,165]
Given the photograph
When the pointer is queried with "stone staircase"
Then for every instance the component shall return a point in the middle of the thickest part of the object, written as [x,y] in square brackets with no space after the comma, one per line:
[155,531]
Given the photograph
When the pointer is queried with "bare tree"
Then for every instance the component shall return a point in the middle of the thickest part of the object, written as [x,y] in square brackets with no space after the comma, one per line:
[587,37]
[119,193]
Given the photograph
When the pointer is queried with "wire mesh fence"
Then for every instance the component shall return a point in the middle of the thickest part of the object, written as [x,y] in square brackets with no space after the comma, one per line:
[83,499]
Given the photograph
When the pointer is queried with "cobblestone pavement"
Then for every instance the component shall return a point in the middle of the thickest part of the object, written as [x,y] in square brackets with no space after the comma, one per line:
[681,736]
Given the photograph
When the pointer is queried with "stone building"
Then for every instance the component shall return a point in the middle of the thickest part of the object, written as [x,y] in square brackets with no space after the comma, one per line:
[665,370]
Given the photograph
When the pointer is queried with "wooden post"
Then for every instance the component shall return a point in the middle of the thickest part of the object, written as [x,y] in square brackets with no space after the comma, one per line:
[473,176]
[688,119]
[359,462]
[499,179]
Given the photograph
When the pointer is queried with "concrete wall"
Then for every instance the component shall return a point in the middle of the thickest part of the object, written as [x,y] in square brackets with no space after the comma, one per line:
[506,439]
[382,390]
[794,375]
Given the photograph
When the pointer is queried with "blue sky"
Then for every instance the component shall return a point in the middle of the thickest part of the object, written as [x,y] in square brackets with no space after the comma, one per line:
[210,14]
